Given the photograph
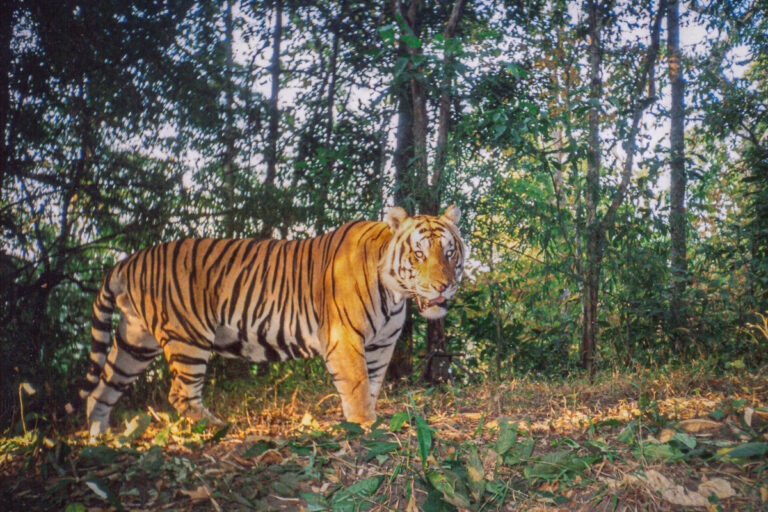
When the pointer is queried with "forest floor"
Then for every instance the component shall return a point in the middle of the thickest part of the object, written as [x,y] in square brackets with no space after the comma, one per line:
[673,440]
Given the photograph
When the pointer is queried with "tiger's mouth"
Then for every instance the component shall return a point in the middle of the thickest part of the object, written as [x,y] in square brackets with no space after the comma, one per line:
[431,308]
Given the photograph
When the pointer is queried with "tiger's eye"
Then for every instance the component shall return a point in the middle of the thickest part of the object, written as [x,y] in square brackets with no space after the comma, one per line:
[449,253]
[419,255]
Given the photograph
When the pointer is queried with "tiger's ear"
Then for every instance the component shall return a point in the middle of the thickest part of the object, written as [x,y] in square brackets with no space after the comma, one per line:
[395,217]
[452,214]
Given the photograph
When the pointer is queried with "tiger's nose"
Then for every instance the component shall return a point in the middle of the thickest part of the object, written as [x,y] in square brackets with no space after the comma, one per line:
[441,287]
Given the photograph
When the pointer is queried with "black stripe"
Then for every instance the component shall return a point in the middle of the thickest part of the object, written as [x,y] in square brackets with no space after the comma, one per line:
[98,347]
[376,368]
[121,372]
[96,323]
[192,378]
[139,353]
[103,309]
[120,388]
[185,359]
[377,346]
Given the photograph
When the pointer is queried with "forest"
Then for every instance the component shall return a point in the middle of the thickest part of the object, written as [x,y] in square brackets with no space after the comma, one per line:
[608,345]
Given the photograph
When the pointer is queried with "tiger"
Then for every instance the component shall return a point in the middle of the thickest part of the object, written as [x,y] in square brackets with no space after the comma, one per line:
[341,296]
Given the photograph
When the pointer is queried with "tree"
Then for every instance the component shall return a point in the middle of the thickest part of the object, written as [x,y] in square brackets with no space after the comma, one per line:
[597,225]
[414,183]
[73,123]
[678,224]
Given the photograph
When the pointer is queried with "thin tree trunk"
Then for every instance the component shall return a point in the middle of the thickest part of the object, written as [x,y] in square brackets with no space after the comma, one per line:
[6,23]
[437,365]
[677,214]
[228,163]
[593,252]
[270,154]
[401,364]
[444,111]
[324,181]
[436,341]
[596,228]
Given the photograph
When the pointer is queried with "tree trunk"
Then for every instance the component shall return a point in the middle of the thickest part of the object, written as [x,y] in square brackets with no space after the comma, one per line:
[677,215]
[270,153]
[401,364]
[444,112]
[6,24]
[597,228]
[437,345]
[324,181]
[593,250]
[228,161]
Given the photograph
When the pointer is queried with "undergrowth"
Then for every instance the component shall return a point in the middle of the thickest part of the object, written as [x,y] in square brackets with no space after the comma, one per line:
[656,440]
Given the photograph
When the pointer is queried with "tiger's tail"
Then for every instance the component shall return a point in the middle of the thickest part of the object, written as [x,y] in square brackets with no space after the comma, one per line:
[101,327]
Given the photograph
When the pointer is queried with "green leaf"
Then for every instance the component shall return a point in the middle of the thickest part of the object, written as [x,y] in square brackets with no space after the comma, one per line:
[424,438]
[411,41]
[436,503]
[137,426]
[348,500]
[397,421]
[258,448]
[555,464]
[627,434]
[75,507]
[100,454]
[654,452]
[161,439]
[744,451]
[315,501]
[447,486]
[379,447]
[387,33]
[200,426]
[353,429]
[685,439]
[152,461]
[520,453]
[475,473]
[507,437]
[498,130]
[219,434]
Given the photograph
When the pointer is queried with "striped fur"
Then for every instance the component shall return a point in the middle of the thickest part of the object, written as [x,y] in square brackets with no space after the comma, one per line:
[339,296]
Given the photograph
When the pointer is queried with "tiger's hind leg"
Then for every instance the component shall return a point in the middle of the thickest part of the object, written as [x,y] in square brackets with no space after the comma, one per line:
[132,350]
[188,364]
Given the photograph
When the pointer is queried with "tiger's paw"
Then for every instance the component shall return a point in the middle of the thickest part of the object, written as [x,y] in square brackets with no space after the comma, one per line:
[195,414]
[364,421]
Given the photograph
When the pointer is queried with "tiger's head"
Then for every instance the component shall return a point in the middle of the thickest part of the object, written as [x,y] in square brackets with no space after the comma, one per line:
[424,259]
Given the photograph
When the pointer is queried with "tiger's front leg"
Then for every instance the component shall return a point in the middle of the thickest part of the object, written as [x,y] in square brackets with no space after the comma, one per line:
[345,360]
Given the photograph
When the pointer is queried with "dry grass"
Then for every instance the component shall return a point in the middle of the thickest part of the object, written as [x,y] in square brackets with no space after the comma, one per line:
[283,440]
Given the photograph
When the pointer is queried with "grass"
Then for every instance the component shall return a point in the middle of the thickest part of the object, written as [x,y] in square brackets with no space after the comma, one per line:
[683,439]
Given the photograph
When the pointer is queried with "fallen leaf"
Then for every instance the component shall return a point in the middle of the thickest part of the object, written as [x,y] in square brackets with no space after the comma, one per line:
[748,412]
[764,494]
[699,425]
[270,457]
[672,492]
[717,486]
[666,435]
[96,488]
[199,494]
[309,422]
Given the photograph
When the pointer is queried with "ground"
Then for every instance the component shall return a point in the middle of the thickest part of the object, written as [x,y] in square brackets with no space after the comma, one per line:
[652,440]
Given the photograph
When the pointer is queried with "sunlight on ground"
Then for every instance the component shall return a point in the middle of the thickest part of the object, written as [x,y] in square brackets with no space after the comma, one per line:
[654,442]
